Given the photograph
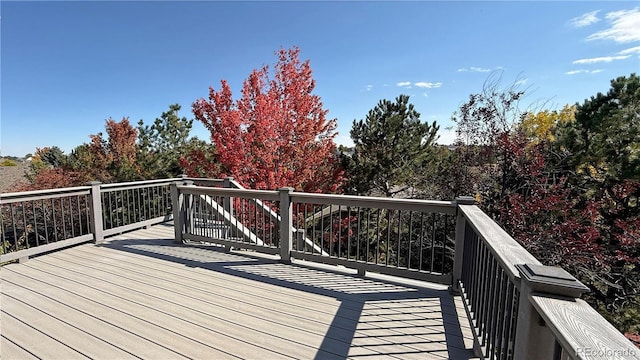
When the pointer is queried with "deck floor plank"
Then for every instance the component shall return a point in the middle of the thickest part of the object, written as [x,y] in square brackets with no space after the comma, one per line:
[141,295]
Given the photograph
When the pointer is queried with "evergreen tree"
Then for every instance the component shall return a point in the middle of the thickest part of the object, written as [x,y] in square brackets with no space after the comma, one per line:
[161,145]
[393,150]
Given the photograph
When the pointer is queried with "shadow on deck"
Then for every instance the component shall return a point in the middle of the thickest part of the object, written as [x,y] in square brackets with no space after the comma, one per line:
[141,295]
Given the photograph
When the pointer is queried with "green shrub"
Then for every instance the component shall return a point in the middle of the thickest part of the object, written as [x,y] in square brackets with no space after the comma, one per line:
[7,162]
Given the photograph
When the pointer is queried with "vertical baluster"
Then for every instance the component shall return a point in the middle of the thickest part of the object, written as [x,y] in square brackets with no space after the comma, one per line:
[109,210]
[378,231]
[490,317]
[357,237]
[55,223]
[349,232]
[481,288]
[500,314]
[3,237]
[63,220]
[444,243]
[44,221]
[322,232]
[13,223]
[366,237]
[388,242]
[24,224]
[410,237]
[73,232]
[159,201]
[330,240]
[87,216]
[398,247]
[475,290]
[433,241]
[35,222]
[79,212]
[421,240]
[339,230]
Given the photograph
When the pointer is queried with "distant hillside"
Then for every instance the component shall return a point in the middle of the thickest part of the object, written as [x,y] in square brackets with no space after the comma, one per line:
[11,175]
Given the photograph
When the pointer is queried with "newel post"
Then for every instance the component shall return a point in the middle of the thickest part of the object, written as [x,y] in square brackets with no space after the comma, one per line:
[534,340]
[286,224]
[177,205]
[97,226]
[458,257]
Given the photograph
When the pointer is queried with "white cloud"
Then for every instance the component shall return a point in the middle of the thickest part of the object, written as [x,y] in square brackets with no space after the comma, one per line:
[404,83]
[521,81]
[601,59]
[585,19]
[368,87]
[428,85]
[582,71]
[343,140]
[630,51]
[446,136]
[474,69]
[625,25]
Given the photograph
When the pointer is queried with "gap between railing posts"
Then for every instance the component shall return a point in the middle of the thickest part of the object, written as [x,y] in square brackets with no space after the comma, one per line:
[96,212]
[458,256]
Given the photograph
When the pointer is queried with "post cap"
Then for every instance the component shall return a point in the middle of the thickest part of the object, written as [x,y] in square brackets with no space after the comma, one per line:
[286,188]
[551,280]
[465,200]
[91,183]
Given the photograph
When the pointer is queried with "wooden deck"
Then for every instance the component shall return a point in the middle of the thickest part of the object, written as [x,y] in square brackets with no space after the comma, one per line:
[139,295]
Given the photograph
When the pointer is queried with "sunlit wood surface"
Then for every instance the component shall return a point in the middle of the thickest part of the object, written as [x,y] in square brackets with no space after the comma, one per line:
[139,295]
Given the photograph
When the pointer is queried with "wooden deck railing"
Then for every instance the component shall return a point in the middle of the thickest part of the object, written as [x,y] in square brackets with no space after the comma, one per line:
[518,308]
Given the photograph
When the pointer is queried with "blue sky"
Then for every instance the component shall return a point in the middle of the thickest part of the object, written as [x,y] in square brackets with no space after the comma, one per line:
[68,66]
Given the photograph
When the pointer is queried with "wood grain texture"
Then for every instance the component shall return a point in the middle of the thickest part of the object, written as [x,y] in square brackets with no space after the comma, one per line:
[581,331]
[139,295]
[506,249]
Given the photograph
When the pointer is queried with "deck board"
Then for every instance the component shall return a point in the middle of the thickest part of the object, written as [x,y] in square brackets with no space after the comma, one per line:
[139,295]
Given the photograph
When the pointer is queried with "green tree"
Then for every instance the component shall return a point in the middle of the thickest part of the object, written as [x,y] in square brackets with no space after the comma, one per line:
[393,149]
[603,143]
[599,153]
[161,145]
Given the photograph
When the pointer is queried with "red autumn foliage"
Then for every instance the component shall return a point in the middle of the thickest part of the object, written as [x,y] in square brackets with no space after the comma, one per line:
[54,179]
[106,160]
[114,159]
[275,135]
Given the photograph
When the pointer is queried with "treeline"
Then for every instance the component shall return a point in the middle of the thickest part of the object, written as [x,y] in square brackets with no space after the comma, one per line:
[124,153]
[565,183]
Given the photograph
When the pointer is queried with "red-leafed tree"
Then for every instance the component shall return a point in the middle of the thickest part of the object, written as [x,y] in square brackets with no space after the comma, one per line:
[275,135]
[114,158]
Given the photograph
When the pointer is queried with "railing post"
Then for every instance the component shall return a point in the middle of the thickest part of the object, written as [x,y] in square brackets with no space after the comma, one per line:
[177,200]
[286,224]
[534,340]
[227,202]
[458,257]
[96,212]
